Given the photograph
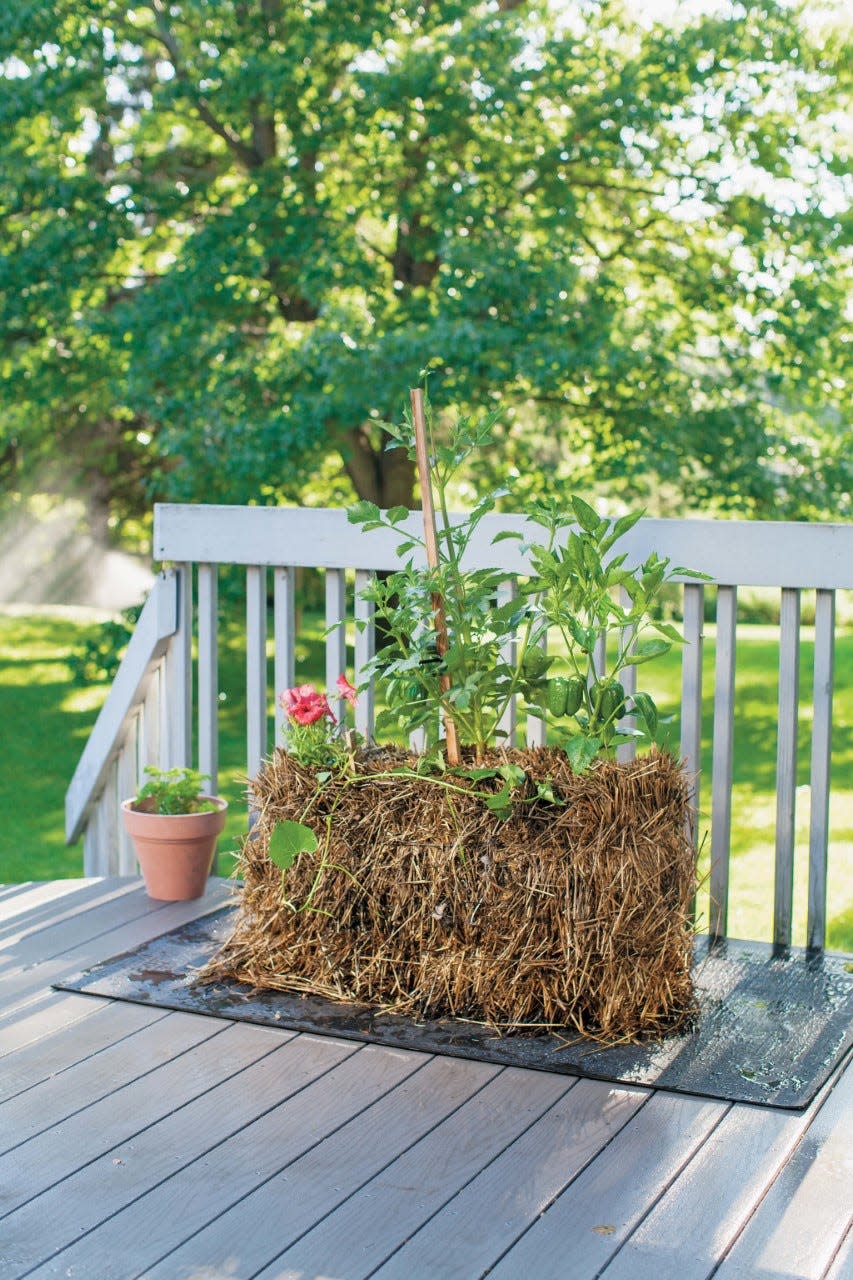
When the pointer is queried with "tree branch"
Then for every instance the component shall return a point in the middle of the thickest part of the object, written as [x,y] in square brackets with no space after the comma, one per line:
[247,156]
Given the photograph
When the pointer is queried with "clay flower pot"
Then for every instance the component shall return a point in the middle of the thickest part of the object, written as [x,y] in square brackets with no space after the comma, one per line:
[175,851]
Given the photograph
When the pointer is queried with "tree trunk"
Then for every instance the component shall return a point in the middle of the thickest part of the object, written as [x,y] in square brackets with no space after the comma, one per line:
[386,478]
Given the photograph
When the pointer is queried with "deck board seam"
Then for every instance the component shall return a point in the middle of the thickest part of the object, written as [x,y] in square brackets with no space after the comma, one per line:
[126,1083]
[44,999]
[497,1154]
[199,1155]
[90,938]
[179,1244]
[462,1187]
[842,1243]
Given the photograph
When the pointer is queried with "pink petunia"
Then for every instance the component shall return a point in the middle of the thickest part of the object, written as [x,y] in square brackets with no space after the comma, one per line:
[305,705]
[346,690]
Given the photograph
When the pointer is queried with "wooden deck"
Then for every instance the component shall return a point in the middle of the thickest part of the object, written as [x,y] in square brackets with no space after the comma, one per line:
[137,1142]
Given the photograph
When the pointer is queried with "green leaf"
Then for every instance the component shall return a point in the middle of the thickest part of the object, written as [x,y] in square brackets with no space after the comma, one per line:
[501,802]
[361,511]
[587,518]
[395,514]
[513,774]
[545,791]
[288,840]
[506,534]
[582,751]
[644,705]
[646,650]
[668,630]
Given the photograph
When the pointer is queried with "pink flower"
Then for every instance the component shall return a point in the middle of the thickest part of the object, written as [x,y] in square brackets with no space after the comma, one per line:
[305,705]
[346,690]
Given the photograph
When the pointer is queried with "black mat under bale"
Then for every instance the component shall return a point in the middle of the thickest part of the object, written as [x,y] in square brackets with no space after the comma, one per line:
[770,1030]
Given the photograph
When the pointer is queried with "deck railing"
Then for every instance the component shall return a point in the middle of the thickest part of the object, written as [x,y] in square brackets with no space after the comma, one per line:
[148,715]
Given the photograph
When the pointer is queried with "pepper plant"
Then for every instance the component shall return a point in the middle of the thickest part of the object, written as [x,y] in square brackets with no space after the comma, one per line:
[576,589]
[581,592]
[480,630]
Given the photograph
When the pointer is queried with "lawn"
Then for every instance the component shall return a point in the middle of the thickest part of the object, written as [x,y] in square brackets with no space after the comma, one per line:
[47,722]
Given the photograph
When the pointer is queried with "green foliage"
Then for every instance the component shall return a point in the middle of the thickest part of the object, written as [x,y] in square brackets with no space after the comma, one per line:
[230,230]
[173,791]
[470,679]
[583,594]
[101,651]
[572,591]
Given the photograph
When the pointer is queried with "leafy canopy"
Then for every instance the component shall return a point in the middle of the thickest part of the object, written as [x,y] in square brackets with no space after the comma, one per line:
[230,232]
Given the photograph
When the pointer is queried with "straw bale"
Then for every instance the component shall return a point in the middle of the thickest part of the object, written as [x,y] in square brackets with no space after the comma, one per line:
[422,902]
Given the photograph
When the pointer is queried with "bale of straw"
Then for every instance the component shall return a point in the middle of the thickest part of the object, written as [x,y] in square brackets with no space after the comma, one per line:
[574,914]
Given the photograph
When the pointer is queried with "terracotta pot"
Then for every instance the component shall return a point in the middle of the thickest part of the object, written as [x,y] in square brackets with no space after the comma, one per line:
[175,851]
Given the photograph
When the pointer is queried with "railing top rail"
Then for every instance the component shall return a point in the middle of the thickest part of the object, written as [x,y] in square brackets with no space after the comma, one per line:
[735,552]
[157,623]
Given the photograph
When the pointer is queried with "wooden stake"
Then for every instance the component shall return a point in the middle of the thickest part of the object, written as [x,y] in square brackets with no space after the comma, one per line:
[431,540]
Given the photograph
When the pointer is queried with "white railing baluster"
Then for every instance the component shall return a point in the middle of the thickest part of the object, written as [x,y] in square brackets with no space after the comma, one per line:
[284,630]
[149,730]
[824,645]
[127,773]
[208,676]
[721,770]
[336,637]
[256,667]
[627,750]
[94,843]
[537,726]
[786,765]
[506,731]
[365,647]
[691,696]
[177,740]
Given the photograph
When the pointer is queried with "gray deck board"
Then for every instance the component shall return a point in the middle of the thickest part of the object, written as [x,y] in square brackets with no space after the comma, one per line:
[592,1217]
[90,1051]
[115,924]
[812,1195]
[369,1227]
[172,1146]
[283,1143]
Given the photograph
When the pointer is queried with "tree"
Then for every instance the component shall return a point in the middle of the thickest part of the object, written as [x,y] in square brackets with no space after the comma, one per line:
[234,233]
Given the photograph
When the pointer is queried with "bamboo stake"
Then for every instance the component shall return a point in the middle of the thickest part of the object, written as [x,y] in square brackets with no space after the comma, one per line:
[431,540]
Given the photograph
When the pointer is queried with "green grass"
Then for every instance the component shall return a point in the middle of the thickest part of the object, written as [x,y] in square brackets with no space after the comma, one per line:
[47,721]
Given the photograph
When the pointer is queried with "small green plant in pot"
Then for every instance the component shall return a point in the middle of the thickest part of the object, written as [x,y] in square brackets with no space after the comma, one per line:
[174,827]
